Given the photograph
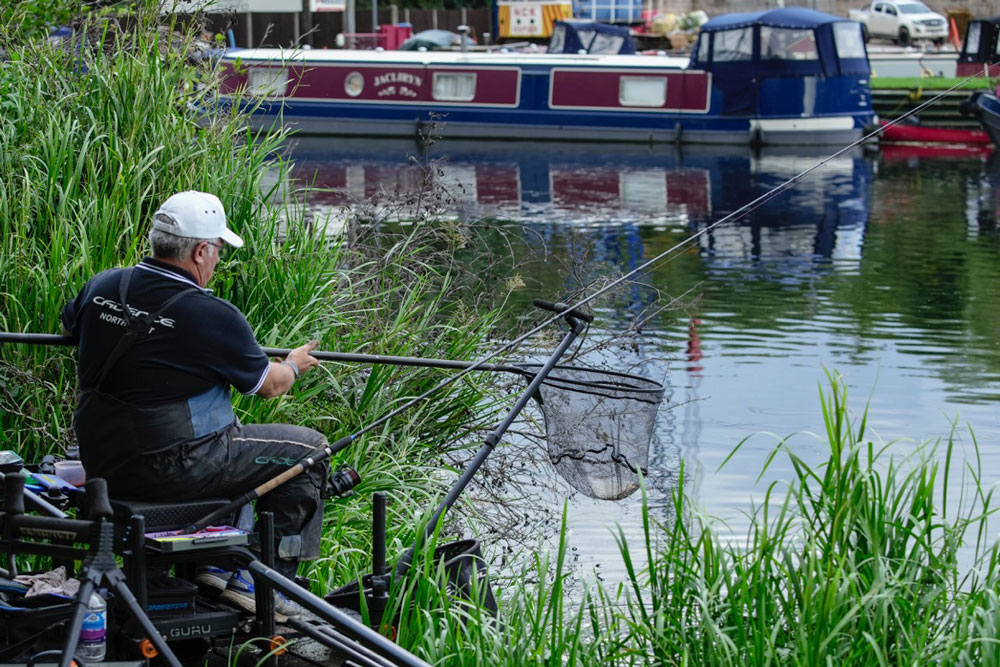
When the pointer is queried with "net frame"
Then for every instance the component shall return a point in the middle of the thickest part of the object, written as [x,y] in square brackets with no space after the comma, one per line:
[598,426]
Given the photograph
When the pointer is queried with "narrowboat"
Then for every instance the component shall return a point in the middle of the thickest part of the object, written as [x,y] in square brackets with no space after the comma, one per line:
[782,76]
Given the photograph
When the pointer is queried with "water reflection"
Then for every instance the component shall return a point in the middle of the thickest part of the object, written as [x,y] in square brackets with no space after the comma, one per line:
[577,185]
[823,216]
[885,268]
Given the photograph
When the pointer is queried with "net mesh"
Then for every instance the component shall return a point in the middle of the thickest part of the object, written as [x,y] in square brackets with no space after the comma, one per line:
[598,426]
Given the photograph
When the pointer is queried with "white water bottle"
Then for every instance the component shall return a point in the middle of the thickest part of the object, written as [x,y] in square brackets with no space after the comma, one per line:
[93,644]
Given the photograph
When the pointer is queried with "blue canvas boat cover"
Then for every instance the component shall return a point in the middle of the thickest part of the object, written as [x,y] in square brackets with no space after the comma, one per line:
[776,42]
[783,17]
[590,37]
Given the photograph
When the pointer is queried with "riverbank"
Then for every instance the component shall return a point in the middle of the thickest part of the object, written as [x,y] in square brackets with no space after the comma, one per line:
[97,129]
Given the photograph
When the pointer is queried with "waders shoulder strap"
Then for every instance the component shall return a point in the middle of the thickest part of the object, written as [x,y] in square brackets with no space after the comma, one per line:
[137,327]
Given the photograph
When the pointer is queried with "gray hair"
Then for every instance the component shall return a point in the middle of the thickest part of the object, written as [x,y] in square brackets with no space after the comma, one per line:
[170,246]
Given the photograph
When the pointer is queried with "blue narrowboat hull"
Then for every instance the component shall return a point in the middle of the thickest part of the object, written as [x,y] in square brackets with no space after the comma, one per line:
[318,118]
[805,97]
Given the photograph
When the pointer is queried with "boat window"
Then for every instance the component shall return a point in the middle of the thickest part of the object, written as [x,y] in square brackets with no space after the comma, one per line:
[849,40]
[703,40]
[786,44]
[354,83]
[605,43]
[972,38]
[731,45]
[642,91]
[454,86]
[267,81]
[557,43]
[586,36]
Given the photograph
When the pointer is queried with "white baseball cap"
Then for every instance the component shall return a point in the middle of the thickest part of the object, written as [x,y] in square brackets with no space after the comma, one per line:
[195,215]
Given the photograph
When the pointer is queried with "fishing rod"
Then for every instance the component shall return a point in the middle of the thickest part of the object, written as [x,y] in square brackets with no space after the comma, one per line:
[346,357]
[572,316]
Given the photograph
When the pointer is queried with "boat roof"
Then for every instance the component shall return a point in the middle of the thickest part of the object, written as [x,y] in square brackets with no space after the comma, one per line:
[782,17]
[455,58]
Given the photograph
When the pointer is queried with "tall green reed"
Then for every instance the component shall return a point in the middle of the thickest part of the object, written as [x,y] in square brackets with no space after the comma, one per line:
[94,134]
[862,559]
[855,561]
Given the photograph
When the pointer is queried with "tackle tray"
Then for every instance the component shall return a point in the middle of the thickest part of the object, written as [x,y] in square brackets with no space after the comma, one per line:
[213,536]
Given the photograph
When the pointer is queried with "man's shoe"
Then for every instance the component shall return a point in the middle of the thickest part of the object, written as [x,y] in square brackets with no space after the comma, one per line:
[213,577]
[241,593]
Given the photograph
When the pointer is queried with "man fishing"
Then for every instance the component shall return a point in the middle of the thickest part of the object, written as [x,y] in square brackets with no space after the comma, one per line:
[159,355]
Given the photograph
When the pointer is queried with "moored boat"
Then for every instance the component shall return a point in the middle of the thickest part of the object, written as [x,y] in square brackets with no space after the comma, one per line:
[923,134]
[986,107]
[978,56]
[790,75]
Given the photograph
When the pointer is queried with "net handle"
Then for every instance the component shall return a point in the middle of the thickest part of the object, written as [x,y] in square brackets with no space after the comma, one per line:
[525,371]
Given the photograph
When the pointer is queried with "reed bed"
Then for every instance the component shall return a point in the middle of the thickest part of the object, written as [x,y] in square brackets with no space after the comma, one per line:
[95,132]
[855,561]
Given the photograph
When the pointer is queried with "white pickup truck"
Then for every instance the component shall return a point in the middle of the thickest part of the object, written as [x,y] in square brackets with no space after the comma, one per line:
[901,20]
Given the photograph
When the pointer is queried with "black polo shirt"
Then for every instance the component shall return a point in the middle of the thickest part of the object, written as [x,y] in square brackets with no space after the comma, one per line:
[199,347]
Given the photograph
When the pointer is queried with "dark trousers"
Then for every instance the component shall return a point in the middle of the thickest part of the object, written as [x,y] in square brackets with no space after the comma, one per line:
[233,462]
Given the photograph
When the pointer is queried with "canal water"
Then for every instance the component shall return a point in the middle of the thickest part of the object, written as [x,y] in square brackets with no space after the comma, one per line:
[883,267]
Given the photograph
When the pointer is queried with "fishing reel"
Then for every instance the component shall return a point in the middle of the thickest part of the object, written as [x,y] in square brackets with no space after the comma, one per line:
[340,482]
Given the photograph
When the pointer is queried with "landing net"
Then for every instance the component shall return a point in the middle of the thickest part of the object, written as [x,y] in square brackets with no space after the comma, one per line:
[598,426]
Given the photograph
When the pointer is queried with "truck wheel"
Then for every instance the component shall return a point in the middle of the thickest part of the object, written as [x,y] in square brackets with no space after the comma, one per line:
[904,36]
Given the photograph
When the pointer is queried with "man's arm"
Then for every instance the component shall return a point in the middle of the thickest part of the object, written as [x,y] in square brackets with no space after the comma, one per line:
[281,376]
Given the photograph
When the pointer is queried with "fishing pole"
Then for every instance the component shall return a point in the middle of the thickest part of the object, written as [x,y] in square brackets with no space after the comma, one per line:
[575,319]
[344,357]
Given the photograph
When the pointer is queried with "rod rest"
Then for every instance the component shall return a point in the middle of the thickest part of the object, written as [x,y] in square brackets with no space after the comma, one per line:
[98,506]
[28,525]
[18,524]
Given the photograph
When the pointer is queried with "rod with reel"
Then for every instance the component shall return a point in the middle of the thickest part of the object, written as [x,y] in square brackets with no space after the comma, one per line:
[571,315]
[565,379]
[576,321]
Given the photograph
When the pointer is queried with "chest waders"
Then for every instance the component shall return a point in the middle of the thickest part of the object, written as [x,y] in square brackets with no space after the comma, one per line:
[112,433]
